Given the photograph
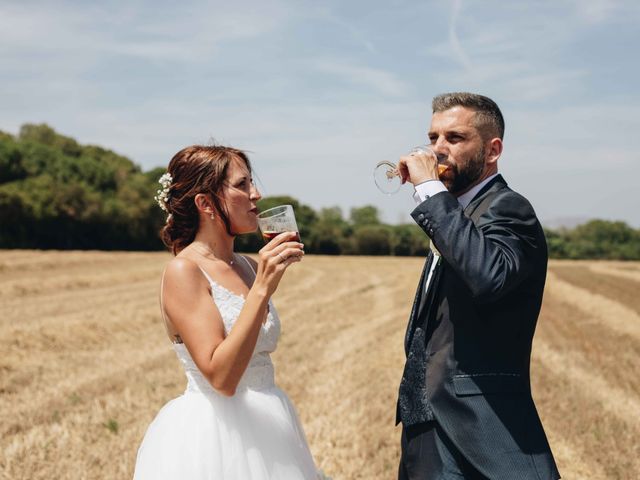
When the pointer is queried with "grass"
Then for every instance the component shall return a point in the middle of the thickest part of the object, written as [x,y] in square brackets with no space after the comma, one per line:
[85,364]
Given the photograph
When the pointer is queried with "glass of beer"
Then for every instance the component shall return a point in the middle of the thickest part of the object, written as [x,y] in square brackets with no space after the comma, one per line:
[276,220]
[387,176]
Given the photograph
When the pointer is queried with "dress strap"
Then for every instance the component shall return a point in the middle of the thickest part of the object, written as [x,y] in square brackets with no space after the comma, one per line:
[206,275]
[270,306]
[165,320]
[248,263]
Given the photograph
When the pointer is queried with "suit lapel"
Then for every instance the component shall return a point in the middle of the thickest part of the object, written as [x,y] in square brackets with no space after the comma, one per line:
[417,302]
[494,185]
[428,295]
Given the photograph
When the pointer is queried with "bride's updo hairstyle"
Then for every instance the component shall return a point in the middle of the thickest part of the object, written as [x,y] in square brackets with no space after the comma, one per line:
[196,169]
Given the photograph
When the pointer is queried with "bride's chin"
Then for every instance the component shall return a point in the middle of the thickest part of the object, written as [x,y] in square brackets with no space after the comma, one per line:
[244,229]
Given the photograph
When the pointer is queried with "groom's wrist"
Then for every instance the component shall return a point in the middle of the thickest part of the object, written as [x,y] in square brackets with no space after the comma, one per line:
[428,188]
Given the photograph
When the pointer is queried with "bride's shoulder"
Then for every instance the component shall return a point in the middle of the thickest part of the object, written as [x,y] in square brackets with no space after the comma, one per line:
[183,270]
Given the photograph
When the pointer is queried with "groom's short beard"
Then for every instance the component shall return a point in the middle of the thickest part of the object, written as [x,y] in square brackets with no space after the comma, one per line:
[467,174]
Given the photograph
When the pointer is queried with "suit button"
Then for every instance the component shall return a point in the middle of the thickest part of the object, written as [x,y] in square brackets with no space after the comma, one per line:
[421,216]
[431,231]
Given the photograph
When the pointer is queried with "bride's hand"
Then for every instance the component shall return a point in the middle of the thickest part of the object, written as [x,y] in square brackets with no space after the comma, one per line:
[274,258]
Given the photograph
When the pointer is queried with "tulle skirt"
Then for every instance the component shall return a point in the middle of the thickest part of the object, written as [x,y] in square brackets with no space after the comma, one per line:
[253,435]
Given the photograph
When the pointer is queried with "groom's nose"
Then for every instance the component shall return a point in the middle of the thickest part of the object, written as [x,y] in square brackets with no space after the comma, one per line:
[440,149]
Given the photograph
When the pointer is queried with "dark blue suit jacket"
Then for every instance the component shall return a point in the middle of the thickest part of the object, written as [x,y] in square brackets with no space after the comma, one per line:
[480,318]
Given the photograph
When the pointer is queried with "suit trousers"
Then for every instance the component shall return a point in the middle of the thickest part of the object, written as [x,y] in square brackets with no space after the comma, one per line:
[428,454]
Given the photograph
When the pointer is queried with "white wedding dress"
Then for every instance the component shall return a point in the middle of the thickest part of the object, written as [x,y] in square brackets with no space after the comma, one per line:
[252,435]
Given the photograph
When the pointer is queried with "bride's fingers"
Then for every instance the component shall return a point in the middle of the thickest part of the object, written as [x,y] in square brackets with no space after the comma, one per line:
[292,254]
[288,247]
[277,257]
[278,240]
[290,259]
[268,254]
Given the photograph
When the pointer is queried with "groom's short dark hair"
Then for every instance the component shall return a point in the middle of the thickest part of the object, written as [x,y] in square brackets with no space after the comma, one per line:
[489,120]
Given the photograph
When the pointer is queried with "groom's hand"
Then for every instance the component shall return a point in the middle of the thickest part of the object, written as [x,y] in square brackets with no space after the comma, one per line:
[418,167]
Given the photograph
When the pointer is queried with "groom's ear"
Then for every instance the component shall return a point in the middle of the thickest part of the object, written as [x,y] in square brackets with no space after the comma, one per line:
[494,151]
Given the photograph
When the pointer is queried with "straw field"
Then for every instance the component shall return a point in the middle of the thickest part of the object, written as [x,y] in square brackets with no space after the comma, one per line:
[85,364]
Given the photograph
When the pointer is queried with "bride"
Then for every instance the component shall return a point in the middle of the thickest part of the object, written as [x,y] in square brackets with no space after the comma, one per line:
[232,422]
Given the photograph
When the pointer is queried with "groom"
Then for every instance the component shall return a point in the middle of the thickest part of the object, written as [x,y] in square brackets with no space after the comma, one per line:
[465,398]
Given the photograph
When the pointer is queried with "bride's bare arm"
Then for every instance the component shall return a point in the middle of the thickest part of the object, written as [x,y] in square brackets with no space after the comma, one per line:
[187,300]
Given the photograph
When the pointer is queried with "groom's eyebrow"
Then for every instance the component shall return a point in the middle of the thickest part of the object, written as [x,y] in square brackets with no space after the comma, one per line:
[463,132]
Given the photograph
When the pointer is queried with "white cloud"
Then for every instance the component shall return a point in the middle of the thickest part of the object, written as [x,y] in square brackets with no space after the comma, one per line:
[454,41]
[595,11]
[364,76]
[183,32]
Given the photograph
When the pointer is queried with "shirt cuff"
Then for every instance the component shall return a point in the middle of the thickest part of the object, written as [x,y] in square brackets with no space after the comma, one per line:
[428,189]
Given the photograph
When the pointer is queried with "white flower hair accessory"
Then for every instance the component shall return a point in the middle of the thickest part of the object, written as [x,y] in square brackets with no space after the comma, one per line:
[163,193]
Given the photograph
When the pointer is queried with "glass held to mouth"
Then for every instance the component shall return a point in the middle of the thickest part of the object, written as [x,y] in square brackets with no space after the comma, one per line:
[386,175]
[276,220]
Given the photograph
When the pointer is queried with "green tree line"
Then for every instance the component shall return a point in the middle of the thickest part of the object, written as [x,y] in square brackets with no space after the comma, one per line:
[598,239]
[58,194]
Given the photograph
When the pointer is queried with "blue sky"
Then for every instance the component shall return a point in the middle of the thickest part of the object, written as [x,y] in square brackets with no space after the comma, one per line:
[319,92]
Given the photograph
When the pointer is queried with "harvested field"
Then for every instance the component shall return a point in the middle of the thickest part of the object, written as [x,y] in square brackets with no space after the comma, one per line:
[85,364]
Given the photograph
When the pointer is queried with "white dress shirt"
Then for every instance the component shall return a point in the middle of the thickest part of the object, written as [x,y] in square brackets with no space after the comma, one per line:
[428,189]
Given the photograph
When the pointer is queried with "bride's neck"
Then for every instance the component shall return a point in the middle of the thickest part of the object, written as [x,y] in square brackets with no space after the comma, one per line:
[215,244]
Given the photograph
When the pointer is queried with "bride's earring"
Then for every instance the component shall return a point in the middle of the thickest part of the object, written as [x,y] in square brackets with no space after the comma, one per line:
[212,216]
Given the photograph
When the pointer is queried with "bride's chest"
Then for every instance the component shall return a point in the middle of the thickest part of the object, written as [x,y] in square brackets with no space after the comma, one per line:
[230,305]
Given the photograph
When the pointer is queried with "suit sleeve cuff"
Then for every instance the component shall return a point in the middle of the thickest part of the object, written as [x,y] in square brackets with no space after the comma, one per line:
[428,189]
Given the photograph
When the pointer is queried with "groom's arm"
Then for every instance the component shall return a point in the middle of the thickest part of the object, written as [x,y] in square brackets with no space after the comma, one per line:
[493,257]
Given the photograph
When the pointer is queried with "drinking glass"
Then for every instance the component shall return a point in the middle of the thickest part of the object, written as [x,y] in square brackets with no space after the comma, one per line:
[387,176]
[276,220]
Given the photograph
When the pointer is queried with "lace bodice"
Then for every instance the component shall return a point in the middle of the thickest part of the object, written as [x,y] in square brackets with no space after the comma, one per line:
[259,374]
